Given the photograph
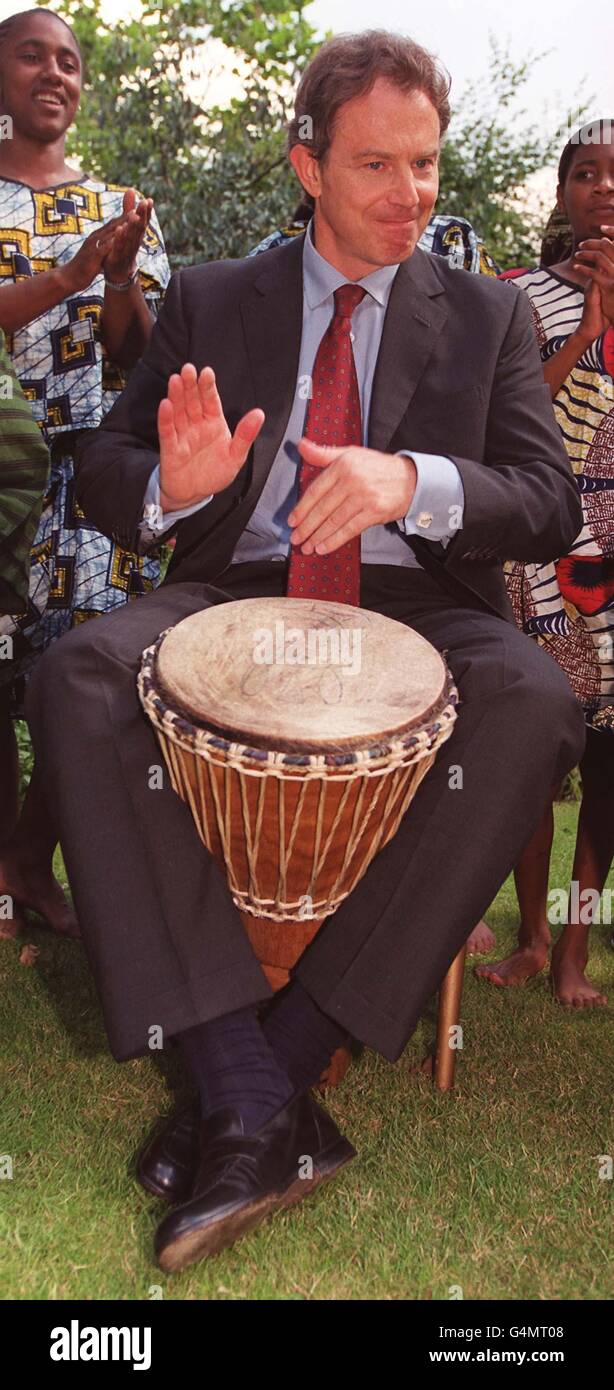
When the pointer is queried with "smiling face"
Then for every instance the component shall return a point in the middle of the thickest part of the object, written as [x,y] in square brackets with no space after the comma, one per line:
[376,187]
[40,77]
[588,192]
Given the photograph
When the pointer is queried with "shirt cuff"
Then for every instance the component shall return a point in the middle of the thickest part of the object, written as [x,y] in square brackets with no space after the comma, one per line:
[154,520]
[437,508]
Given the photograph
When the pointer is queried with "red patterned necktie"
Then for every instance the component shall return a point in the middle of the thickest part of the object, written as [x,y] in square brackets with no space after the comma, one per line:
[333,417]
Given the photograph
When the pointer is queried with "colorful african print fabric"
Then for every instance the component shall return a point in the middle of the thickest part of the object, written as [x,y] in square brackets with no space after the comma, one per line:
[24,466]
[70,385]
[452,237]
[557,241]
[569,605]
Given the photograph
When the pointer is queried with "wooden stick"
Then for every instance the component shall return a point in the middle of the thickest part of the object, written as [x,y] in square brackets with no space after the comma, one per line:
[450,993]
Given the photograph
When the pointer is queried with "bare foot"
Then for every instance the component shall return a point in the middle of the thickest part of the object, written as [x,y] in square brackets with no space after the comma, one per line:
[481,941]
[425,1067]
[517,968]
[41,892]
[569,983]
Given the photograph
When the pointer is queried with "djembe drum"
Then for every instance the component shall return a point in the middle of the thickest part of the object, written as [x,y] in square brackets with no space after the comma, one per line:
[297,731]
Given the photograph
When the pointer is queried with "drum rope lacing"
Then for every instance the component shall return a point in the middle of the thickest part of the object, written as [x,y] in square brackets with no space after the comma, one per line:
[380,758]
[213,759]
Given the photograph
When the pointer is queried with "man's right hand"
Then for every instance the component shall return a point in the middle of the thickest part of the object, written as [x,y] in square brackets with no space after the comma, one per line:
[198,454]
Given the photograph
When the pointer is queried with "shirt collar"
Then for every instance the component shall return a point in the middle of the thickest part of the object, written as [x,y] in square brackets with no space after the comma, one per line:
[320,279]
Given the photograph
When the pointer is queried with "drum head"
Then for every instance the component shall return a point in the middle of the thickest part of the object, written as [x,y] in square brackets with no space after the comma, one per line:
[300,675]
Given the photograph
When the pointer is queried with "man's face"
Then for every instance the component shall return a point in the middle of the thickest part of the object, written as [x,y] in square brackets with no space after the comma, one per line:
[377,186]
[41,78]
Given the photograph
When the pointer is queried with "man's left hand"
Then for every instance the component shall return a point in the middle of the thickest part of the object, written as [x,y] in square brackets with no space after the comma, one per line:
[357,488]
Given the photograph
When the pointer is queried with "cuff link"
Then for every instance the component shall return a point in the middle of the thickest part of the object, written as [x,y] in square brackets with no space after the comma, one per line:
[424,521]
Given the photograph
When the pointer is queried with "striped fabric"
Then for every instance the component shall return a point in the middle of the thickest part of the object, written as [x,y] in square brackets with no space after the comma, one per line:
[24,465]
[568,605]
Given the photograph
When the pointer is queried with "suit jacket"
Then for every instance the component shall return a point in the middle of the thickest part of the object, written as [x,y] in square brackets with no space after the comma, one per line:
[458,373]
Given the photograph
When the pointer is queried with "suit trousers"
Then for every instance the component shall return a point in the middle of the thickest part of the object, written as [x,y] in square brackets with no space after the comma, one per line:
[165,942]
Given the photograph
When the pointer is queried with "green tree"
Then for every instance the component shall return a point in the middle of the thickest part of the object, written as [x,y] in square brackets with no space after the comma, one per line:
[490,153]
[218,174]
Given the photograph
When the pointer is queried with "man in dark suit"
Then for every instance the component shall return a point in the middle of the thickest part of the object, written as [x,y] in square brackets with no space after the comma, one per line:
[448,460]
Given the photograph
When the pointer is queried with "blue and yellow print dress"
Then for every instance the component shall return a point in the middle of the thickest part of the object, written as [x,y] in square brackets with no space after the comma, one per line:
[70,383]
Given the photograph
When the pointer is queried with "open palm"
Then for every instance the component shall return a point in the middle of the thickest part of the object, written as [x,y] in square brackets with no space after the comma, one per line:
[198,454]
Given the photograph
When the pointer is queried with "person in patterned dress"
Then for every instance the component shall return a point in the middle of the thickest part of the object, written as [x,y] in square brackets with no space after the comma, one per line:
[568,606]
[24,469]
[82,270]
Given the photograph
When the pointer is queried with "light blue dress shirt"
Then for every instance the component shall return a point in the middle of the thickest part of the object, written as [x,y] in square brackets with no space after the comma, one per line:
[436,511]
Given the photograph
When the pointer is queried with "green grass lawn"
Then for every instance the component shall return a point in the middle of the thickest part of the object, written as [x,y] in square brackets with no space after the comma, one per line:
[494,1188]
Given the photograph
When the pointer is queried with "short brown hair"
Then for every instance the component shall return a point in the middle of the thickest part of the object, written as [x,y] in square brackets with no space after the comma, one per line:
[348,66]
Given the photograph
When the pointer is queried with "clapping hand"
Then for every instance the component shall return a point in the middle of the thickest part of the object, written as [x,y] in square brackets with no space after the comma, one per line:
[89,260]
[593,322]
[595,259]
[112,248]
[120,261]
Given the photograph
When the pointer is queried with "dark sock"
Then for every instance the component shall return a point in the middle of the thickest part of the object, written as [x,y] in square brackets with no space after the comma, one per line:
[233,1065]
[191,1048]
[302,1038]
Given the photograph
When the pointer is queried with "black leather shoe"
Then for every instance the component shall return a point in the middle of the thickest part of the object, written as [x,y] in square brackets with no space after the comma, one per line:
[168,1162]
[242,1178]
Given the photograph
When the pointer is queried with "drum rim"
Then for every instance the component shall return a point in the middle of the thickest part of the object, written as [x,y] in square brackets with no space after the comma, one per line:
[300,753]
[241,734]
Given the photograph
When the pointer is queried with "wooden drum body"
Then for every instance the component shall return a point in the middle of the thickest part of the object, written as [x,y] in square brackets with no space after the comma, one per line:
[298,732]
